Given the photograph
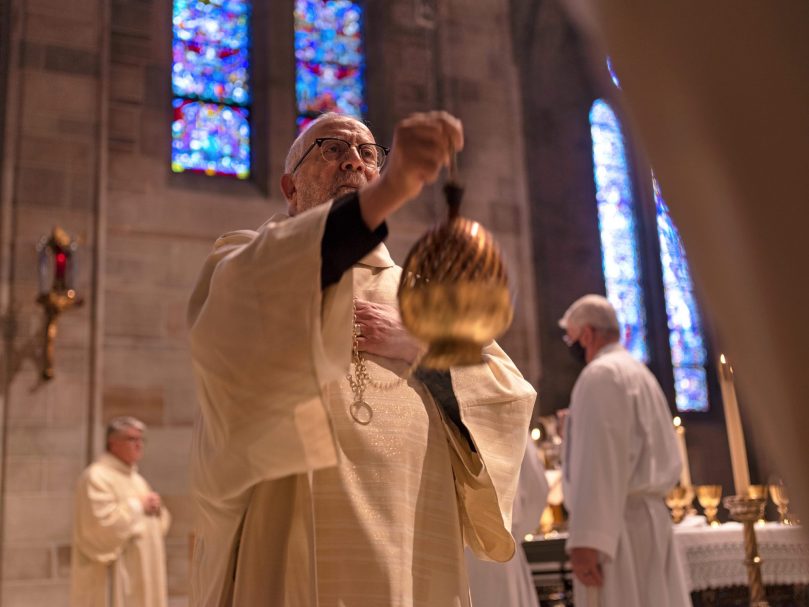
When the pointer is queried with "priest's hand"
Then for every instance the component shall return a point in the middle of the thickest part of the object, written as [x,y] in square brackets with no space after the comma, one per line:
[151,503]
[585,565]
[422,145]
[381,332]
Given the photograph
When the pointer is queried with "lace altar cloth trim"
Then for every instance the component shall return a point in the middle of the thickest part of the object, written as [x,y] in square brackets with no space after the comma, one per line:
[713,557]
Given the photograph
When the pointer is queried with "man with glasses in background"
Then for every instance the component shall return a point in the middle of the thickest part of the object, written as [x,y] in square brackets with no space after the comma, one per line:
[118,555]
[324,471]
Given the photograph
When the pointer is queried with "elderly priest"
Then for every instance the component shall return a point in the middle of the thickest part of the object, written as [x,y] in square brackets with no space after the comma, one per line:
[321,482]
[119,557]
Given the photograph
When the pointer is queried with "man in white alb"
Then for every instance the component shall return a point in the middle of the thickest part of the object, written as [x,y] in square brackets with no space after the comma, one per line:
[119,555]
[620,459]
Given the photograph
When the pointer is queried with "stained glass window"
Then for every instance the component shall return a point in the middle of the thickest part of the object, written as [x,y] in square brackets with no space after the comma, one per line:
[616,219]
[613,75]
[329,58]
[211,86]
[688,354]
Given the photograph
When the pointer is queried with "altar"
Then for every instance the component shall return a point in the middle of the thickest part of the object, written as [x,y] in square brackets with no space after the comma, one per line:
[712,559]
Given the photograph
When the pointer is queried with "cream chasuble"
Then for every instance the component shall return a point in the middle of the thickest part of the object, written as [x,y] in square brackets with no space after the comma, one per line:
[299,504]
[118,554]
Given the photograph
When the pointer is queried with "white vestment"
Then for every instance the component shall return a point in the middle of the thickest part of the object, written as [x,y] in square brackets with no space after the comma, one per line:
[620,460]
[510,584]
[299,504]
[118,555]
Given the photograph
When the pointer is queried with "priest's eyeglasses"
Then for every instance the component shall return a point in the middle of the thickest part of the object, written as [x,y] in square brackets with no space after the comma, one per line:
[332,149]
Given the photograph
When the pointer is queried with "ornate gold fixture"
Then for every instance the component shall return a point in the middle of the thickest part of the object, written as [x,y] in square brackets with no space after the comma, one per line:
[57,271]
[454,292]
[747,510]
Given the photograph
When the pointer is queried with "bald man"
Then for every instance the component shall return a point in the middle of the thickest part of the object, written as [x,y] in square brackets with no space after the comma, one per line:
[620,460]
[325,472]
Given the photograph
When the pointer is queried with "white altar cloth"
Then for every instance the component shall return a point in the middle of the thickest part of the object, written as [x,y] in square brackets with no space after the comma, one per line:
[713,557]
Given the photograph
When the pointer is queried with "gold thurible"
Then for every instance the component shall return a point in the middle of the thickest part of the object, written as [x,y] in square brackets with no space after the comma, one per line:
[454,292]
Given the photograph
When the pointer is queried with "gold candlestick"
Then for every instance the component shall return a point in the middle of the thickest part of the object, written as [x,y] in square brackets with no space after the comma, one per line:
[747,510]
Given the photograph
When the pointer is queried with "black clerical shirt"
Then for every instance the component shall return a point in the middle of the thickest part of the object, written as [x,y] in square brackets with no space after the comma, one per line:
[346,240]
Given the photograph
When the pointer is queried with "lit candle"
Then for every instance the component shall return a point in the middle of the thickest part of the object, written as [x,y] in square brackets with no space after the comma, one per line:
[733,421]
[685,474]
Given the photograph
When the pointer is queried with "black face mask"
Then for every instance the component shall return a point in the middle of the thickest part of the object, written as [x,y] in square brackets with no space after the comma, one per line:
[578,352]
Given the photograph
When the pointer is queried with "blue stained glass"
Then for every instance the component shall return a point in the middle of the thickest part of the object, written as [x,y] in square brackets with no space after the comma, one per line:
[329,88]
[612,73]
[210,138]
[210,79]
[211,50]
[329,58]
[690,386]
[616,218]
[688,355]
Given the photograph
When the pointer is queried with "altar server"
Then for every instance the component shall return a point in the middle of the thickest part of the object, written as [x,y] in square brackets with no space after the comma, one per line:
[620,460]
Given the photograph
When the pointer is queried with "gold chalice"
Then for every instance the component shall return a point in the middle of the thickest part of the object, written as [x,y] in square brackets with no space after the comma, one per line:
[677,499]
[780,497]
[689,501]
[709,497]
[546,521]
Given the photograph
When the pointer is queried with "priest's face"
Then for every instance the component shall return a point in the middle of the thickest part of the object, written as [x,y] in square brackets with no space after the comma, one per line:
[127,445]
[317,180]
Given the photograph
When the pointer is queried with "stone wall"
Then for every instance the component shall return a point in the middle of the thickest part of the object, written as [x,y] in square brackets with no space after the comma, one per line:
[419,63]
[51,155]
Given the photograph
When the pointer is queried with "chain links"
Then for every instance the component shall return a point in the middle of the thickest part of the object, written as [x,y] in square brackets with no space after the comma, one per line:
[360,410]
[361,377]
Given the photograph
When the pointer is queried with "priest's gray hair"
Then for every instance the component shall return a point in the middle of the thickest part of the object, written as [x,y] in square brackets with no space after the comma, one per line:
[298,147]
[591,310]
[119,424]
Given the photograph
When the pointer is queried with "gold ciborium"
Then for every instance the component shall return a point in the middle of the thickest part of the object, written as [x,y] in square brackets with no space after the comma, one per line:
[454,292]
[709,497]
[780,497]
[678,499]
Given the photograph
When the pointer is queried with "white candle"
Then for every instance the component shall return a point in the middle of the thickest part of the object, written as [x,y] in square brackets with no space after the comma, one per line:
[685,474]
[733,421]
